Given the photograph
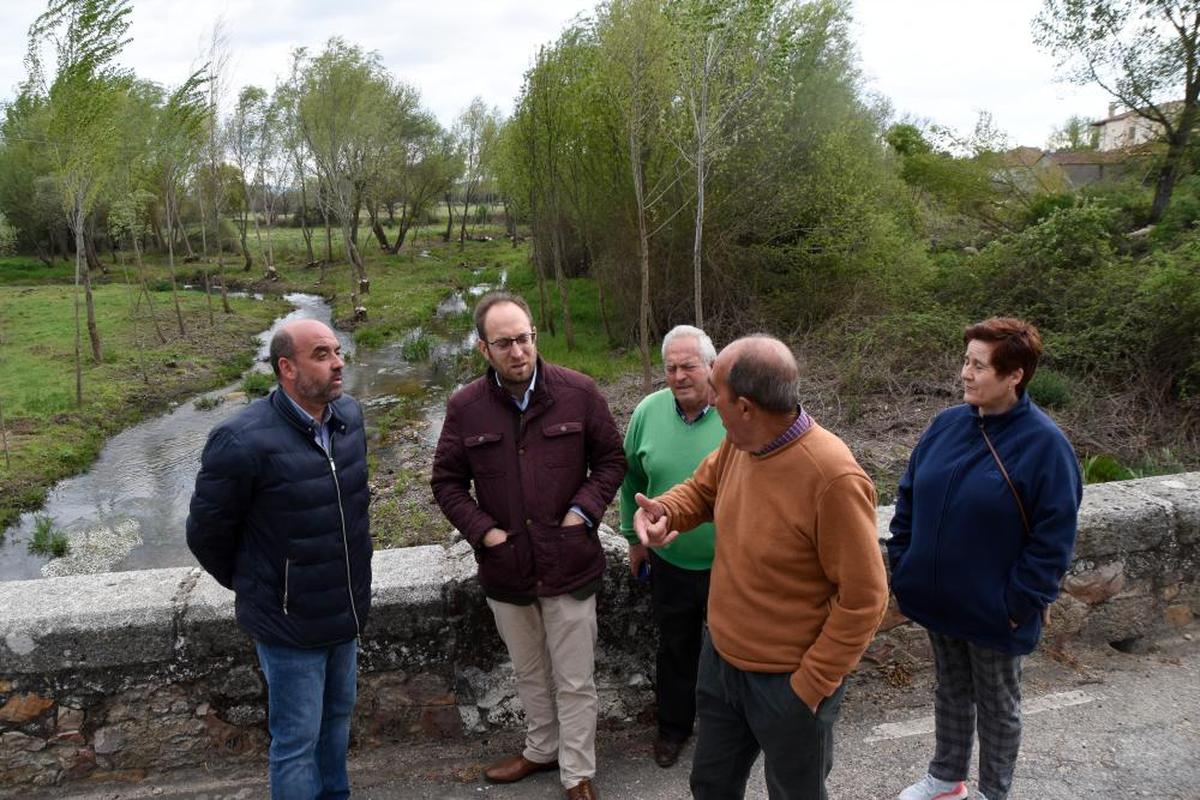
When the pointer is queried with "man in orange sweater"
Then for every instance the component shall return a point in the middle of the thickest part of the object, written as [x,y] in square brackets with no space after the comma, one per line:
[798,584]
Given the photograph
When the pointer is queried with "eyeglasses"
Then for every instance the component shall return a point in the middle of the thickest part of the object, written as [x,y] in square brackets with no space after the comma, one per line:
[505,343]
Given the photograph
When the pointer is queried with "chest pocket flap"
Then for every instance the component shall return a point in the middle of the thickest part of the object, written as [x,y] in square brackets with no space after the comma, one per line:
[484,454]
[563,444]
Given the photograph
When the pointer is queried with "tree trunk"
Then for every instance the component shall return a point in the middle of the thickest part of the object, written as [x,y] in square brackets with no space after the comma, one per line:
[1168,176]
[698,239]
[305,230]
[4,438]
[141,268]
[449,219]
[462,228]
[403,231]
[247,259]
[171,263]
[377,229]
[644,261]
[560,279]
[80,271]
[543,302]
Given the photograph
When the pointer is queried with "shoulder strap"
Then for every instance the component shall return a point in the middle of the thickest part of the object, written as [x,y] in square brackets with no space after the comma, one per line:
[1008,480]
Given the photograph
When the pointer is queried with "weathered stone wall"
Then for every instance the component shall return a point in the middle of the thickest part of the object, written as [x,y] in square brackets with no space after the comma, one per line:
[114,675]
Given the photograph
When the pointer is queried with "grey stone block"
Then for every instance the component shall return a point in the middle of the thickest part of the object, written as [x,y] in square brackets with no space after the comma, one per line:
[1182,492]
[88,621]
[207,628]
[1115,520]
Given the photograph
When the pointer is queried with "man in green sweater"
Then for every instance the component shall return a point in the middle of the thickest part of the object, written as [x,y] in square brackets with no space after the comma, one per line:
[670,433]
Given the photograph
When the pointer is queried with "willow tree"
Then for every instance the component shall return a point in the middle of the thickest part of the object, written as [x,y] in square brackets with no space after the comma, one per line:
[635,38]
[81,105]
[342,104]
[176,143]
[727,51]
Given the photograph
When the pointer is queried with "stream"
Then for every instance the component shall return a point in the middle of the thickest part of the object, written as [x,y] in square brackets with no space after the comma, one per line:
[127,511]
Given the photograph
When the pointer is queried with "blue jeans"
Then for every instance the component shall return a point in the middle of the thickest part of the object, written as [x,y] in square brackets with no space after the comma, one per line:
[311,695]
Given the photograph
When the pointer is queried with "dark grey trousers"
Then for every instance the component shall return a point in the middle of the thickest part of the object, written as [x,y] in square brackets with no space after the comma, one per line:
[742,713]
[976,688]
[680,601]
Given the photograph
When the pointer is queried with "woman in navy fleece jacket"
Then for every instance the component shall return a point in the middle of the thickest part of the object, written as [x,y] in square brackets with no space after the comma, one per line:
[965,566]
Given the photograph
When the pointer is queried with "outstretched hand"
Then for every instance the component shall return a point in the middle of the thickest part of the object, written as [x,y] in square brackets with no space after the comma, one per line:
[652,523]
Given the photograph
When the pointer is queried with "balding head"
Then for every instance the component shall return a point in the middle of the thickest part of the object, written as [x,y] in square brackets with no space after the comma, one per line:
[283,343]
[307,358]
[763,370]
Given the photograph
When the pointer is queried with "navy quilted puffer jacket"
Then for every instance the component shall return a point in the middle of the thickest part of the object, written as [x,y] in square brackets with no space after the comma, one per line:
[284,525]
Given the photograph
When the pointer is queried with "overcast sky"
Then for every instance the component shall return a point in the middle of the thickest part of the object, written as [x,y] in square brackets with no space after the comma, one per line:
[941,61]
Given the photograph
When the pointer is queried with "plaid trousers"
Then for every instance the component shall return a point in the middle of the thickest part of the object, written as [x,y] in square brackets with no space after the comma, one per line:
[976,682]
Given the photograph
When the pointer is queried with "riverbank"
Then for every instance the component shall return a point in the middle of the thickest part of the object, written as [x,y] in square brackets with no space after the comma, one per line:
[48,436]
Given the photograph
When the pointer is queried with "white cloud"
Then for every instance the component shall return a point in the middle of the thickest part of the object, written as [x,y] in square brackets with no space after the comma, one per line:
[943,60]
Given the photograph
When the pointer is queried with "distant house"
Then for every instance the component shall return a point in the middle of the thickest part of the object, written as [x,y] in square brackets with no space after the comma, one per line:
[1033,169]
[1128,129]
[1083,167]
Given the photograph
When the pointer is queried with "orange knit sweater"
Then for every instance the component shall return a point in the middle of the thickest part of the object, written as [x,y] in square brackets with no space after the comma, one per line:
[798,583]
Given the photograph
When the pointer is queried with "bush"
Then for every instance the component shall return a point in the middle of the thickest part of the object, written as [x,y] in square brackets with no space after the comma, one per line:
[1049,389]
[47,541]
[206,403]
[417,348]
[1103,468]
[258,384]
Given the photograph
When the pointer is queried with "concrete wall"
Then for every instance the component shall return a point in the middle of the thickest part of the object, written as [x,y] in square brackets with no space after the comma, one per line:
[113,675]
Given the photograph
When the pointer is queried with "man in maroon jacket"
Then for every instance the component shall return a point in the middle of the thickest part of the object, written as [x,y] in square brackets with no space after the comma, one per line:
[545,457]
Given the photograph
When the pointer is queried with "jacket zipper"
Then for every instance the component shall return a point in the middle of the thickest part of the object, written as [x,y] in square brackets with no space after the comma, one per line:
[345,544]
[287,568]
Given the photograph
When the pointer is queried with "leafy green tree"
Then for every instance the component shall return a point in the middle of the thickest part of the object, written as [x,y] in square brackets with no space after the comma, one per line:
[1077,133]
[1145,54]
[81,128]
[728,52]
[176,146]
[476,132]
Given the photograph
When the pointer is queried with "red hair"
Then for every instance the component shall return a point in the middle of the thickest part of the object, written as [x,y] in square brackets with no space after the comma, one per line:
[1017,345]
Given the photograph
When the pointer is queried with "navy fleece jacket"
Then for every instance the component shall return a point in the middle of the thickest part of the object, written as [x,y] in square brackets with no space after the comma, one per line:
[962,564]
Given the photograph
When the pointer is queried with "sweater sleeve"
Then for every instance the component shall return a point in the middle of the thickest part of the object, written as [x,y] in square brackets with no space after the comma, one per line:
[1046,555]
[635,477]
[848,549]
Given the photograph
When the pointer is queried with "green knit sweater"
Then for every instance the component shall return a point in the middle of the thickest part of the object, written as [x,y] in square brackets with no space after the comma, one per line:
[663,450]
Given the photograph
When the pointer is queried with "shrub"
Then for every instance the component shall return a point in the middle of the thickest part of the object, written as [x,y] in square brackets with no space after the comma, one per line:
[207,403]
[1102,468]
[1050,389]
[258,384]
[417,348]
[47,541]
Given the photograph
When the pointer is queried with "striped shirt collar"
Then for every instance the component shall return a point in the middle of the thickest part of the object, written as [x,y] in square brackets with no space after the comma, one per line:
[798,428]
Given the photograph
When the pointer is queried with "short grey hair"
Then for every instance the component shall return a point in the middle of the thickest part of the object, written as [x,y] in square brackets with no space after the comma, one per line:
[708,353]
[760,374]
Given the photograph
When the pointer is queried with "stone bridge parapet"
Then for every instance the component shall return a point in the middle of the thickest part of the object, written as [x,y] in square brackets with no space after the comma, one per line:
[119,674]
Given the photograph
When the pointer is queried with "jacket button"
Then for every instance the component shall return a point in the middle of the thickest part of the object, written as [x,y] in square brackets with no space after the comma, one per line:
[521,451]
[528,523]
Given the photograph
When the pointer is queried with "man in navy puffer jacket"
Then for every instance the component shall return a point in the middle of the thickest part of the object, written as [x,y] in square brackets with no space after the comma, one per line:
[279,515]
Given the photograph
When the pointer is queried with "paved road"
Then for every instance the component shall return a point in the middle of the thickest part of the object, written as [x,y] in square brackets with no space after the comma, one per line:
[1098,724]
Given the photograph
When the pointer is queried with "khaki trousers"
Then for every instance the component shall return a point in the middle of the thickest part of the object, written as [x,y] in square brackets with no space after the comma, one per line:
[552,643]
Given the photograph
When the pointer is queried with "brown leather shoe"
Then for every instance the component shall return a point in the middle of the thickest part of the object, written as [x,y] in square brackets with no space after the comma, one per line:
[515,768]
[666,751]
[583,791]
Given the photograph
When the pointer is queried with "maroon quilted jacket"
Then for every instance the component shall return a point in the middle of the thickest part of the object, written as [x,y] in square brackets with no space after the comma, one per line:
[528,469]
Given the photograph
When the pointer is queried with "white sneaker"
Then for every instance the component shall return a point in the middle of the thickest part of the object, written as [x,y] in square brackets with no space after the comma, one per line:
[930,788]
